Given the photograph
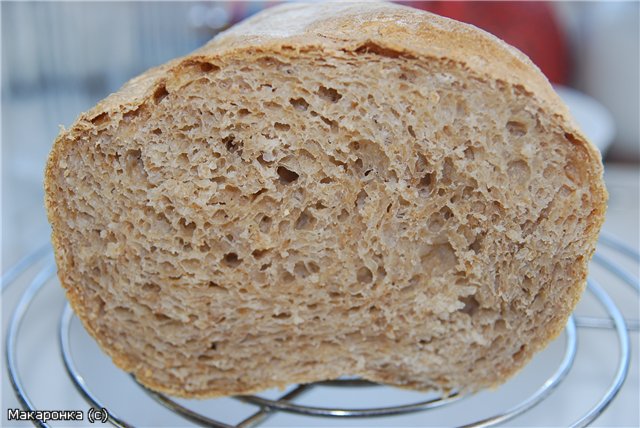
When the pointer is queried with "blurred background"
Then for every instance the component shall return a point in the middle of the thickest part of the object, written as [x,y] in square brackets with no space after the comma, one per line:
[60,58]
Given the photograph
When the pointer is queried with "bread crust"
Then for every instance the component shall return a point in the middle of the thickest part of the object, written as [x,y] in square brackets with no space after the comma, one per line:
[384,29]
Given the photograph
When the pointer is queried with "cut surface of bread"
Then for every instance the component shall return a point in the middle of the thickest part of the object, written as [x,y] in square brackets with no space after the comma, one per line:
[327,190]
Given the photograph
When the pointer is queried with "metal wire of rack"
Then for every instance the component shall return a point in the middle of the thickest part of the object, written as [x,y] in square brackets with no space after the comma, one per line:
[285,403]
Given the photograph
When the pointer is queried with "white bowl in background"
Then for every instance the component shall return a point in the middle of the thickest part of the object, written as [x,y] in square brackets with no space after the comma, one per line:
[592,117]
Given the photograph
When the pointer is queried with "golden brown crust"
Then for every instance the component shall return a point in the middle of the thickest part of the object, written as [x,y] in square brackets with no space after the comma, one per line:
[384,29]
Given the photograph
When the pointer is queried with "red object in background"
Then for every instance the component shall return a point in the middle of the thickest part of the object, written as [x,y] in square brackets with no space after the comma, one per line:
[529,26]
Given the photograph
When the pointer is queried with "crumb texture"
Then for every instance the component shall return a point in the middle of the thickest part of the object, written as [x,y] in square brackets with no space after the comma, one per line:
[292,215]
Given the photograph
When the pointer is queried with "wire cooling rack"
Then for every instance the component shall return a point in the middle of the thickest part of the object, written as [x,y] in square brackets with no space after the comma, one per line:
[263,408]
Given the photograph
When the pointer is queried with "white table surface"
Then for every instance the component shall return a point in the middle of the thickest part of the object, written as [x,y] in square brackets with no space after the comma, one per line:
[24,227]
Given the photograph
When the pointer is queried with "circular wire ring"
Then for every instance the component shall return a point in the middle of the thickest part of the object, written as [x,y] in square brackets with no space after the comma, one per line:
[623,361]
[538,396]
[64,331]
[21,309]
[288,406]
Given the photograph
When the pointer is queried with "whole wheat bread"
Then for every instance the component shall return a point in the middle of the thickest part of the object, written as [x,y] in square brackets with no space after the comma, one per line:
[327,190]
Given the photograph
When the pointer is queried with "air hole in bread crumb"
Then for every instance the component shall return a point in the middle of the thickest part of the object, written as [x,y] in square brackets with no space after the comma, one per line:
[469,153]
[425,183]
[100,119]
[476,245]
[287,277]
[281,316]
[358,164]
[519,171]
[215,286]
[231,260]
[283,226]
[151,288]
[448,170]
[243,112]
[134,165]
[265,224]
[207,67]
[269,61]
[261,160]
[188,127]
[305,221]
[298,194]
[183,159]
[326,180]
[270,105]
[446,213]
[258,254]
[517,356]
[131,114]
[517,129]
[355,308]
[286,175]
[313,267]
[157,131]
[337,162]
[281,126]
[160,94]
[371,47]
[299,104]
[572,139]
[361,198]
[187,228]
[329,94]
[572,172]
[229,143]
[258,193]
[213,346]
[344,214]
[471,305]
[161,317]
[411,131]
[333,125]
[364,275]
[438,259]
[300,270]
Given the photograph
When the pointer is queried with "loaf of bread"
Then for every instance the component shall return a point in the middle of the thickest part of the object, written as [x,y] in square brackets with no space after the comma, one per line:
[327,190]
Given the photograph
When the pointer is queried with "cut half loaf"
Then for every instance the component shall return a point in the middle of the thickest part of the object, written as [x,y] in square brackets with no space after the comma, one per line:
[327,190]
